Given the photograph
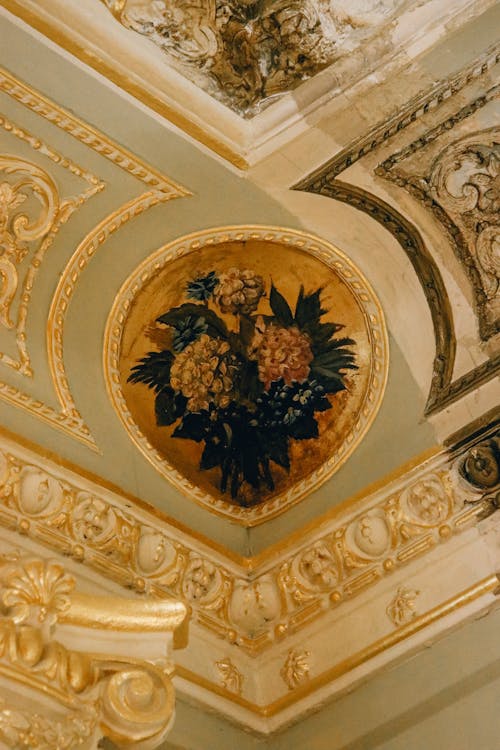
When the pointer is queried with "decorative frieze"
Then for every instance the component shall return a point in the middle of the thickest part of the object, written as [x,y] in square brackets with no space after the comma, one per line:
[296,586]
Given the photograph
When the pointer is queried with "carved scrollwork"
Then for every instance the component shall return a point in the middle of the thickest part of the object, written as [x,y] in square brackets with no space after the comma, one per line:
[465,181]
[246,53]
[30,187]
[129,700]
[137,705]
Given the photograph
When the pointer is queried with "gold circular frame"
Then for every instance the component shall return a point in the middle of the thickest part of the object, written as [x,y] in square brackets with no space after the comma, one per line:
[373,317]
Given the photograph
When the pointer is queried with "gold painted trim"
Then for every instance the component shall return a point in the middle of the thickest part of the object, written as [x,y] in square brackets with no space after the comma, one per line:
[135,501]
[367,302]
[486,586]
[86,134]
[64,40]
[162,189]
[126,615]
[111,536]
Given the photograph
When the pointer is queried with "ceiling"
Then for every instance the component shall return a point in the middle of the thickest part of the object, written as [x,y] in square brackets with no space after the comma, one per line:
[157,143]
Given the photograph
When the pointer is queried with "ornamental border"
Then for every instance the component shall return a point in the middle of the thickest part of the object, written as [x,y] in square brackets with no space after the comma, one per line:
[379,359]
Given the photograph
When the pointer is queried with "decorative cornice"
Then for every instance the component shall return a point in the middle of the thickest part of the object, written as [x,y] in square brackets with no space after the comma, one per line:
[244,54]
[343,558]
[416,108]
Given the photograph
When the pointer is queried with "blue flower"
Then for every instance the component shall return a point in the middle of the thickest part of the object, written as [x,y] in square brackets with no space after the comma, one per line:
[202,287]
[188,330]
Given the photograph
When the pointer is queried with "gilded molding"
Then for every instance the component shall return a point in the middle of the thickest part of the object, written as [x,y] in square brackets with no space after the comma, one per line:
[466,212]
[18,231]
[68,419]
[295,587]
[125,699]
[414,110]
[427,272]
[89,136]
[375,325]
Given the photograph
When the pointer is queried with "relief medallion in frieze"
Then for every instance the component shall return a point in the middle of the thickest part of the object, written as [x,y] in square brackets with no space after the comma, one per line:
[246,363]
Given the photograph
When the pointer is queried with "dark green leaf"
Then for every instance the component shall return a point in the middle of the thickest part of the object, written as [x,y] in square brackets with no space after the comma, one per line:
[280,307]
[153,370]
[304,428]
[169,406]
[276,448]
[247,330]
[215,326]
[213,455]
[192,427]
[308,310]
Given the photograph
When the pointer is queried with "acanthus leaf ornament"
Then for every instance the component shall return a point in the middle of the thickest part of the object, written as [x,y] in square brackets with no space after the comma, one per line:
[296,668]
[88,694]
[246,54]
[230,677]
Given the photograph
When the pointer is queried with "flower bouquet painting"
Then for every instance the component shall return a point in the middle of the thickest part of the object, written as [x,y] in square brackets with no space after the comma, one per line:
[245,371]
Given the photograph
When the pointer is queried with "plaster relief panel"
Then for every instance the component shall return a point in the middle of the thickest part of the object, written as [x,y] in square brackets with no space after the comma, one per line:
[453,170]
[246,363]
[246,54]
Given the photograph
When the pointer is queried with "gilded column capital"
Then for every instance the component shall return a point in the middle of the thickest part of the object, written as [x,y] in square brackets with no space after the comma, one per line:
[55,695]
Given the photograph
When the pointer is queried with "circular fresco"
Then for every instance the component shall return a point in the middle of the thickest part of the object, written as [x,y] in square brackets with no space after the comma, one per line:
[246,363]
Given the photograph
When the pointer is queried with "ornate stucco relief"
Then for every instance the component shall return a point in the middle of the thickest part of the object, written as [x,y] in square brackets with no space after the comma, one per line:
[247,53]
[65,697]
[305,582]
[159,189]
[324,181]
[455,174]
[32,211]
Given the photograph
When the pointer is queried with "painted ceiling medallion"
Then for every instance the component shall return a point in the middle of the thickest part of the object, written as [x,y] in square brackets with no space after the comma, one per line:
[246,363]
[247,52]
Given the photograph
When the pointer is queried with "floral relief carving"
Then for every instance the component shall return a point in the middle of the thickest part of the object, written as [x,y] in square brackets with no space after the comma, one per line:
[202,582]
[231,678]
[296,668]
[252,613]
[126,699]
[247,53]
[402,608]
[20,729]
[34,591]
